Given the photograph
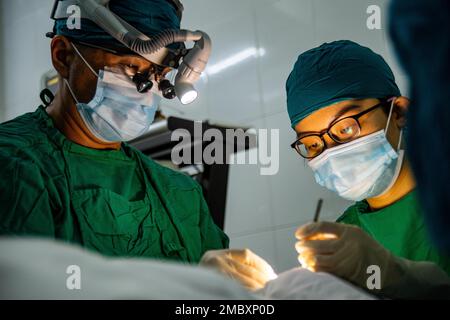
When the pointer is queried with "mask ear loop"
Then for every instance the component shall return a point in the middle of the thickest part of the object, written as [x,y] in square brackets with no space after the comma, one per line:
[390,115]
[87,64]
[84,60]
[388,123]
[400,139]
[400,152]
[71,91]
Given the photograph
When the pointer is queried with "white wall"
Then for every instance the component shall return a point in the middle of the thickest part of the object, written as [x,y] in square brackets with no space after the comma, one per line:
[262,211]
[25,55]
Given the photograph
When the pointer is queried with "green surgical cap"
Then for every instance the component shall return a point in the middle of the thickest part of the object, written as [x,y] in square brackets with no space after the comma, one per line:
[334,72]
[148,16]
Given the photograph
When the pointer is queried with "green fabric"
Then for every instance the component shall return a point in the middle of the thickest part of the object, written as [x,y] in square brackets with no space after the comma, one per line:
[333,72]
[399,228]
[118,203]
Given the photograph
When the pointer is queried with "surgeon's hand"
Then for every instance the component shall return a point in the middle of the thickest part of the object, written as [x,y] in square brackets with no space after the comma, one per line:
[345,251]
[243,265]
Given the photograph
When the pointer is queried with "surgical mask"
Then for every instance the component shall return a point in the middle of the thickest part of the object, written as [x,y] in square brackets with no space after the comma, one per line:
[117,112]
[364,168]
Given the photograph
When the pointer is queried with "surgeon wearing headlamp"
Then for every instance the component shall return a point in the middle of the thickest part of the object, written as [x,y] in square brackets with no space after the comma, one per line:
[66,169]
[350,120]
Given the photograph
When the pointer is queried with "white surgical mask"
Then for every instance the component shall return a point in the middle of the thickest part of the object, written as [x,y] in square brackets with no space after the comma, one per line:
[364,168]
[118,112]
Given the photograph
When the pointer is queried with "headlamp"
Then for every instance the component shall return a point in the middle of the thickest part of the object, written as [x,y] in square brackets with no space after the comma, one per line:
[190,63]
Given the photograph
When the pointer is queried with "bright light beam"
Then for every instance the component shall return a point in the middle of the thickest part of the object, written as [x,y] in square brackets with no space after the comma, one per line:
[235,59]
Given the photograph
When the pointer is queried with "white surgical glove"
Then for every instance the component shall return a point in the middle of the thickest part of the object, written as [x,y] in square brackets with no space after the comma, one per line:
[250,270]
[347,251]
[343,250]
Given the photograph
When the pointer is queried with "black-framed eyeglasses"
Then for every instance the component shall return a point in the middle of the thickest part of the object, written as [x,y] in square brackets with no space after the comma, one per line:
[340,131]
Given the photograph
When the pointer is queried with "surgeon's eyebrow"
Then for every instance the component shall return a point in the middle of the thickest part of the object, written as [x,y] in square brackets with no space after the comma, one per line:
[342,111]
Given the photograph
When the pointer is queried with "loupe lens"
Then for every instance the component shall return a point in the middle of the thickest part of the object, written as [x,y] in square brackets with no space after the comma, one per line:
[143,84]
[167,89]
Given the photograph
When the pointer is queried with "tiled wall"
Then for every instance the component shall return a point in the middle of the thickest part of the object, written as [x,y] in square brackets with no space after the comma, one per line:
[26,54]
[262,211]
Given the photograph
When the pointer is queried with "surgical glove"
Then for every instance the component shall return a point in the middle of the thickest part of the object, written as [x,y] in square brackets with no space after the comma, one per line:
[348,252]
[243,265]
[345,251]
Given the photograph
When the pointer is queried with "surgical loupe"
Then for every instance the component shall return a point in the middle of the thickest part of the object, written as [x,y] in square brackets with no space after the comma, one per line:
[190,63]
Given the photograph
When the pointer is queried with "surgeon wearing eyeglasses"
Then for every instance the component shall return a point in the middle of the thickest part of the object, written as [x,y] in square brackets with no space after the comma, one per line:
[350,121]
[66,169]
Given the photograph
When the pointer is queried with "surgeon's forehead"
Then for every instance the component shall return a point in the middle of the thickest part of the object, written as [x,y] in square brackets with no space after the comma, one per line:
[103,56]
[135,59]
[322,118]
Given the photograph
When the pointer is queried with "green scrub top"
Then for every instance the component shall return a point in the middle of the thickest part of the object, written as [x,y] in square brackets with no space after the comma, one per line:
[399,228]
[115,202]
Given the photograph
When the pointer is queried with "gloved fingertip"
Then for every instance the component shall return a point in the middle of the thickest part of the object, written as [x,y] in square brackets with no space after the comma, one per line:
[305,230]
[299,246]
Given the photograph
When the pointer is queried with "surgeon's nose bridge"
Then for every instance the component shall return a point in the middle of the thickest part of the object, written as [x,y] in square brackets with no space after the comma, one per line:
[144,68]
[329,143]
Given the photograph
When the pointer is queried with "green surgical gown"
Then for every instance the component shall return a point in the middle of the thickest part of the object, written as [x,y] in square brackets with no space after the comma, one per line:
[115,202]
[399,228]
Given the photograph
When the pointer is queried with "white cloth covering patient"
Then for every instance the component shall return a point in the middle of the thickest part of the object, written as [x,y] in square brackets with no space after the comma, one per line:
[302,284]
[38,269]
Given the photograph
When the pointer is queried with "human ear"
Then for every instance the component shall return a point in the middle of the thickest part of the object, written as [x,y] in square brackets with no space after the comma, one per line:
[62,55]
[401,106]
